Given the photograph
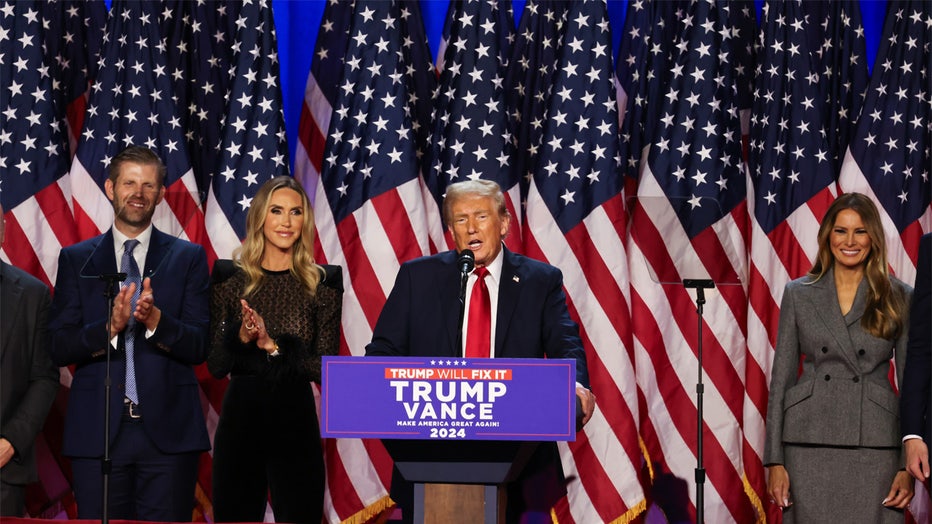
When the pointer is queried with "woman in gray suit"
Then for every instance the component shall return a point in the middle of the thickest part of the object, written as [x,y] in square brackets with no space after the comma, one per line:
[833,445]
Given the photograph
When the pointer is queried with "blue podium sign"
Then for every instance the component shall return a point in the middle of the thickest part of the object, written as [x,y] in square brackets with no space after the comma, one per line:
[448,399]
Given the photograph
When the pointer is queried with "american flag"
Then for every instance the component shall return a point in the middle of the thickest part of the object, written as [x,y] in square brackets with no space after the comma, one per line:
[890,154]
[470,122]
[131,103]
[802,112]
[321,91]
[528,83]
[73,37]
[253,147]
[369,205]
[689,221]
[33,149]
[576,221]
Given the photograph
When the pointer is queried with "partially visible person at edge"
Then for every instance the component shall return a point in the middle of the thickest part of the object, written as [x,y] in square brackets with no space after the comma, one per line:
[274,313]
[914,395]
[158,331]
[28,380]
[832,441]
[528,319]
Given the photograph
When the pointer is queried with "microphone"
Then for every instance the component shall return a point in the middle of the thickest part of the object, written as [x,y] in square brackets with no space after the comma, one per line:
[466,261]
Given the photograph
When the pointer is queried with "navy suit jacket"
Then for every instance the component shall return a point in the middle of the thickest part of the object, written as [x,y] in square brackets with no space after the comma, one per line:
[421,315]
[915,393]
[421,318]
[169,394]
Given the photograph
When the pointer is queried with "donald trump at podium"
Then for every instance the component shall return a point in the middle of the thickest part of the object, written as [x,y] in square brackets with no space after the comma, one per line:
[514,308]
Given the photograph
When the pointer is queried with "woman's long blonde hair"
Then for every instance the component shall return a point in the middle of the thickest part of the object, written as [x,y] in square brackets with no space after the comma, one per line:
[883,314]
[248,256]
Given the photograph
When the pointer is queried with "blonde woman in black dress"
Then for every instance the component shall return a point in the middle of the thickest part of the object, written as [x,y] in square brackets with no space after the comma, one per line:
[274,313]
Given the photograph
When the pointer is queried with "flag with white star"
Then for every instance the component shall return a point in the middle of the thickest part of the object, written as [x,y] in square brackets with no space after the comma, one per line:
[470,137]
[576,221]
[805,91]
[252,146]
[131,104]
[371,67]
[73,38]
[33,149]
[890,154]
[689,222]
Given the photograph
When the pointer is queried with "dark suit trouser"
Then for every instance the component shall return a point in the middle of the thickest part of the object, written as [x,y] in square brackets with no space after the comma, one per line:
[12,500]
[145,484]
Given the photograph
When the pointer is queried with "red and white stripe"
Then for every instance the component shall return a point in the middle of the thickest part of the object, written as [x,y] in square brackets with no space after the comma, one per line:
[666,344]
[603,464]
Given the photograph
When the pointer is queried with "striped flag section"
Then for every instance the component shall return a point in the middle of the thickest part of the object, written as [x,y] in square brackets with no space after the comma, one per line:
[689,221]
[890,154]
[369,205]
[576,221]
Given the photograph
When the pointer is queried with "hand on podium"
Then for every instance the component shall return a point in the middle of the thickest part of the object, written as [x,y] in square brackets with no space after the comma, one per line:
[585,406]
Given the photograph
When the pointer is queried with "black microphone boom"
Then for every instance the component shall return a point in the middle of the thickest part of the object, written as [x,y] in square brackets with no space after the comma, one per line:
[466,261]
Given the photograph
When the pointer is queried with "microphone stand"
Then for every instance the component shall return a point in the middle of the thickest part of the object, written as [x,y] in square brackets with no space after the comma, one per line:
[699,285]
[112,281]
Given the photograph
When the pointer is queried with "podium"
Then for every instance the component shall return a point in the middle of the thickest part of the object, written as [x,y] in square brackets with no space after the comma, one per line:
[457,429]
[460,477]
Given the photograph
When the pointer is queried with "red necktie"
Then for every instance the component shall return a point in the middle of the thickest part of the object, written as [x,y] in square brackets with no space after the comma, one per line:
[479,330]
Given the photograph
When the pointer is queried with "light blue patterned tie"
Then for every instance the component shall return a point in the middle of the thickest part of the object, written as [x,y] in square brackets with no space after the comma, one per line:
[129,266]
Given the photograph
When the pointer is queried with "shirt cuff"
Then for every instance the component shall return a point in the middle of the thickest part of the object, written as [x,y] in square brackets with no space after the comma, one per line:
[910,437]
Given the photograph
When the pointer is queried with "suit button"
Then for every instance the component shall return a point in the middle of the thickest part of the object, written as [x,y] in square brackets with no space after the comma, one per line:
[824,349]
[861,352]
[828,377]
[856,380]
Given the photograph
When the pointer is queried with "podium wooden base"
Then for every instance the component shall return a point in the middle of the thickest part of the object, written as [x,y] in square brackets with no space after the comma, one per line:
[461,503]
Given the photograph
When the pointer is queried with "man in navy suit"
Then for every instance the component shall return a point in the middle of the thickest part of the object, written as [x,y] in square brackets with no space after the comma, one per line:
[28,379]
[528,311]
[915,393]
[157,428]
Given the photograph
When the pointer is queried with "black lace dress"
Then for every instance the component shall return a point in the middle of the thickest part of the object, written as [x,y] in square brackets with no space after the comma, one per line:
[268,437]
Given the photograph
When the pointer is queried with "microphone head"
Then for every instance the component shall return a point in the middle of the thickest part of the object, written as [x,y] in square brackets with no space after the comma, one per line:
[466,260]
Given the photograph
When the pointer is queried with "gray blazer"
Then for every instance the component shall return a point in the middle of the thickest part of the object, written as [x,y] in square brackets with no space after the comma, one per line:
[843,396]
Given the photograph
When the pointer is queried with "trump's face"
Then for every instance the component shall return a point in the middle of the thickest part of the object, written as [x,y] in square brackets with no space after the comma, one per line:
[478,226]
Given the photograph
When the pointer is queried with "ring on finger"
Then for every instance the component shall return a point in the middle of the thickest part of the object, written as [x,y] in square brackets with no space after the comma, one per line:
[250,327]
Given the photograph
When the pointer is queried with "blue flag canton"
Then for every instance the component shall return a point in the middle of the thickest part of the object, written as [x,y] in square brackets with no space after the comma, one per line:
[790,158]
[370,146]
[471,137]
[696,153]
[254,147]
[32,149]
[73,34]
[578,167]
[331,46]
[894,136]
[531,70]
[199,48]
[131,102]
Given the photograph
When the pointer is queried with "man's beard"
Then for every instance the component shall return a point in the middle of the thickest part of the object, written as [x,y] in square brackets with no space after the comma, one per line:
[140,218]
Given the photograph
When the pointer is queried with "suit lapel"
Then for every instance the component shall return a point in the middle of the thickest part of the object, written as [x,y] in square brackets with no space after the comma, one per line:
[449,298]
[158,247]
[11,290]
[825,300]
[102,259]
[508,291]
